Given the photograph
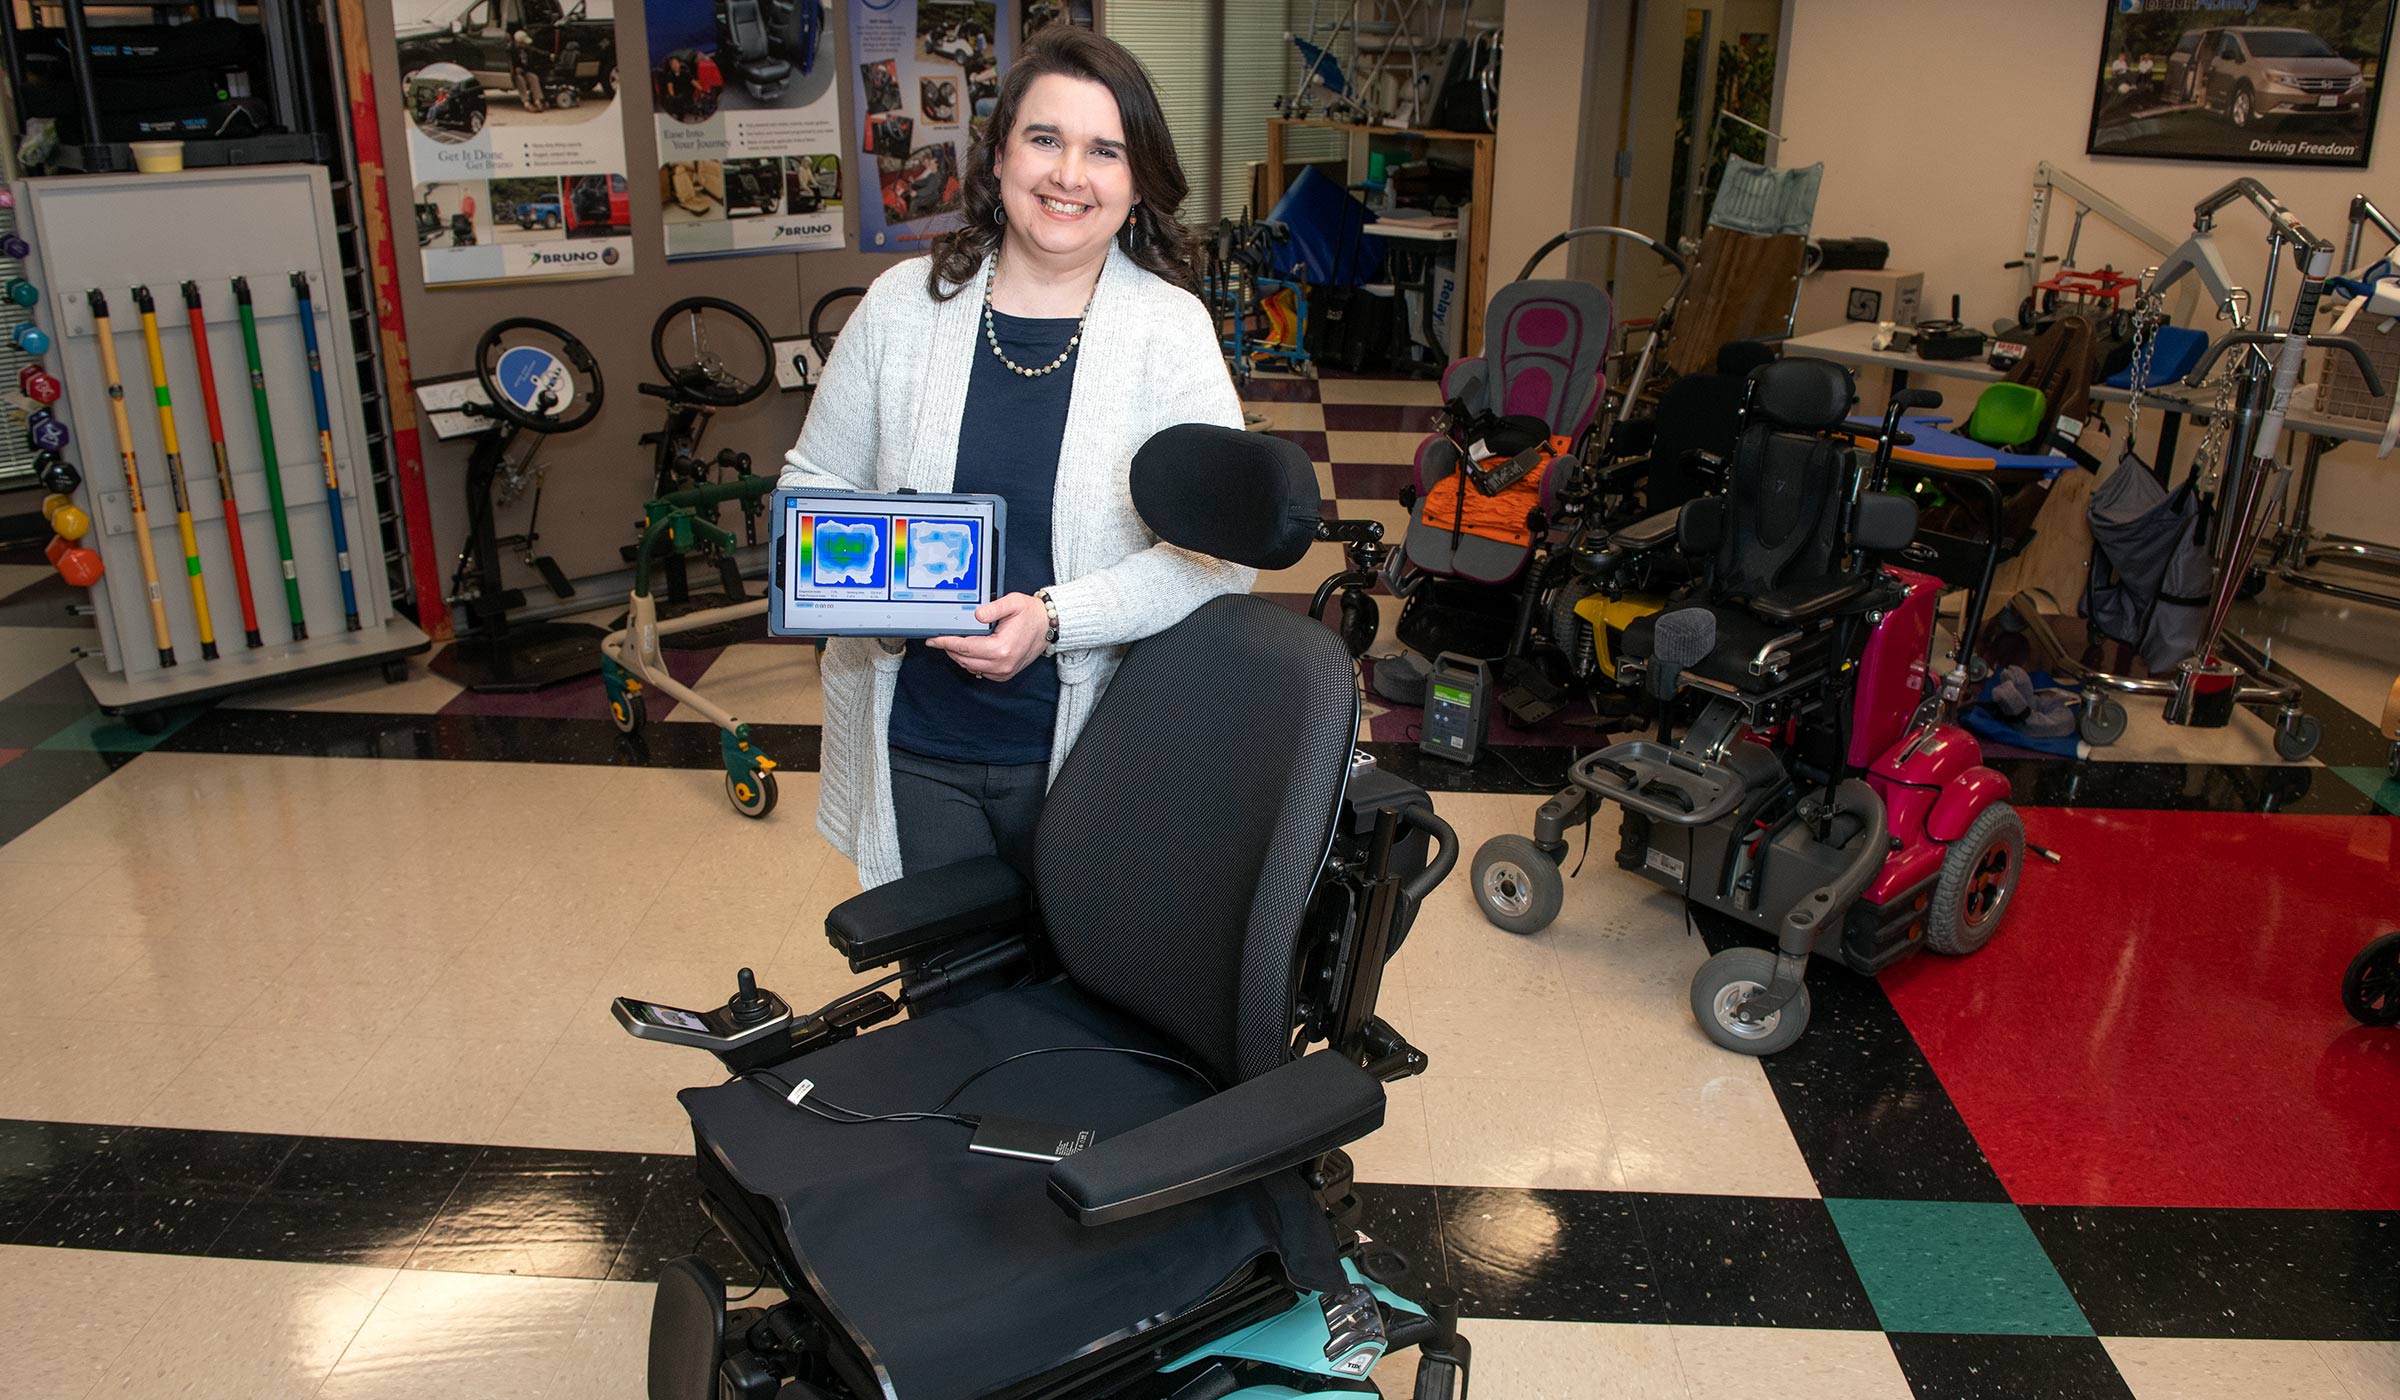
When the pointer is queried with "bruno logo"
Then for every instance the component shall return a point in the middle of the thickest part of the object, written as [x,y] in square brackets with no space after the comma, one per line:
[586,255]
[802,230]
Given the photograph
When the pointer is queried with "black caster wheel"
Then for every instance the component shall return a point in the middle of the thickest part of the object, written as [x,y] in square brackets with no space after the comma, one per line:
[149,723]
[1359,621]
[394,672]
[2297,736]
[752,793]
[2391,761]
[1732,977]
[2253,583]
[2371,988]
[2102,721]
[1517,884]
[629,715]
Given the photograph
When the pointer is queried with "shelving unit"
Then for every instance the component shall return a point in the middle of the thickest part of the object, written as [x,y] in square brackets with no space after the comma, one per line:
[1474,233]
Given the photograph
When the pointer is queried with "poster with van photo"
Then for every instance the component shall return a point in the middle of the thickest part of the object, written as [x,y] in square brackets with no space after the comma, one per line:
[514,142]
[749,126]
[926,74]
[2241,81]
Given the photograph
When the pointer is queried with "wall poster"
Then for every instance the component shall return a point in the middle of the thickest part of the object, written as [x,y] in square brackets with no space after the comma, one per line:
[927,75]
[749,126]
[2242,81]
[514,144]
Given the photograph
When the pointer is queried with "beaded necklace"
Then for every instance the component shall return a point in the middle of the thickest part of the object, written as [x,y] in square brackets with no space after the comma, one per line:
[991,269]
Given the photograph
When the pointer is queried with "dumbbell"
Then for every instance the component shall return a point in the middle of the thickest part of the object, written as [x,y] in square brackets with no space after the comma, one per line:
[80,567]
[52,502]
[46,433]
[39,384]
[22,292]
[70,522]
[31,339]
[12,246]
[56,473]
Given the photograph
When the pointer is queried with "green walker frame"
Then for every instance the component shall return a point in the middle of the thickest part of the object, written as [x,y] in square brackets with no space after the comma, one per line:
[630,660]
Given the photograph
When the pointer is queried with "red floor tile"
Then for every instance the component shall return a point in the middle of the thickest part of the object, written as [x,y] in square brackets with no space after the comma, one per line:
[2159,1023]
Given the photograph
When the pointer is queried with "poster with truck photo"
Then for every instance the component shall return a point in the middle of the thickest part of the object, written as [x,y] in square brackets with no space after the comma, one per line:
[925,75]
[515,148]
[2241,81]
[750,148]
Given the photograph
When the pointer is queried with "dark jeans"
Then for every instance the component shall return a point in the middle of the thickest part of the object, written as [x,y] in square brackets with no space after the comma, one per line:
[955,811]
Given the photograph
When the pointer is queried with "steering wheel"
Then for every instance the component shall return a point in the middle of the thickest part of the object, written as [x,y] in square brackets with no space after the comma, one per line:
[821,335]
[705,375]
[541,378]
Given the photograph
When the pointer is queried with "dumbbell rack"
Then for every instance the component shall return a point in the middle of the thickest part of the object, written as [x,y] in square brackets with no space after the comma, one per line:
[263,223]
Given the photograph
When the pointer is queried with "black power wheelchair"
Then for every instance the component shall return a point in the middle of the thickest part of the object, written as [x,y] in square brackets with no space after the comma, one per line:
[1219,883]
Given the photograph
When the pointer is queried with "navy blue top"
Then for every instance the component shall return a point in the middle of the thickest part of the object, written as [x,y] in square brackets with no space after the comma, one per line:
[1008,445]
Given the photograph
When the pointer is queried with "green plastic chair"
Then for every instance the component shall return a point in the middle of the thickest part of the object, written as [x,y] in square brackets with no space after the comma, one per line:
[2007,415]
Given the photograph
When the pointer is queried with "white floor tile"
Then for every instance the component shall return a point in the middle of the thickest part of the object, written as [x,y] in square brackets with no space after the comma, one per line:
[239,1329]
[2191,1368]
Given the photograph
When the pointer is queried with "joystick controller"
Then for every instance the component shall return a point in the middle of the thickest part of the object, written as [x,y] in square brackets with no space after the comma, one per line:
[749,1005]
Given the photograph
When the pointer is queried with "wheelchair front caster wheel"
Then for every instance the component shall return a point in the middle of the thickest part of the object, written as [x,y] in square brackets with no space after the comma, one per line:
[2297,736]
[2102,721]
[1517,884]
[1732,977]
[2371,988]
[752,793]
[628,714]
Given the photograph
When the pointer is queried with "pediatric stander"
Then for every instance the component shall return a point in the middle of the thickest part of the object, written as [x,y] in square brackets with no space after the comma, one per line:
[1194,926]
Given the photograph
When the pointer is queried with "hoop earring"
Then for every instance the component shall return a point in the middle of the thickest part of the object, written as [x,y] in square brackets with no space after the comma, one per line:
[999,215]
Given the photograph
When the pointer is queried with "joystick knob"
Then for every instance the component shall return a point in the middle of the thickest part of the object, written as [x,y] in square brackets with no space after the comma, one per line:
[749,1004]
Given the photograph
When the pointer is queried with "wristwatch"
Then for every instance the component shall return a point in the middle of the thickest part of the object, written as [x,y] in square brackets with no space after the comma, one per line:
[1050,609]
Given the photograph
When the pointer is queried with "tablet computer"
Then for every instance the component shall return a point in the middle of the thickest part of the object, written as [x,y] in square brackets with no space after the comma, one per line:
[870,564]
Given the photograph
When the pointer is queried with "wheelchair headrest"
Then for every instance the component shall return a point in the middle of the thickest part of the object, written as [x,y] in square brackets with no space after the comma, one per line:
[1242,497]
[1810,395]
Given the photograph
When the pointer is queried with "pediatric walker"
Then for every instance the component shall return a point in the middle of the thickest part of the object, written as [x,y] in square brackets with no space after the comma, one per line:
[672,526]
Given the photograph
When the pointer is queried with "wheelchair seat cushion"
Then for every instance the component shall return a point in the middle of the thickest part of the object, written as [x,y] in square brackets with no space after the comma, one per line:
[954,1273]
[1740,634]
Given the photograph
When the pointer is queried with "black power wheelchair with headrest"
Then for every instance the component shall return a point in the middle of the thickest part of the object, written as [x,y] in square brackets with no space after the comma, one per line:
[1218,885]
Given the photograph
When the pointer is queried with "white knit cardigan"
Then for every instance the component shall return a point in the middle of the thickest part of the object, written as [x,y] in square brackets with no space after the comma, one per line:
[887,416]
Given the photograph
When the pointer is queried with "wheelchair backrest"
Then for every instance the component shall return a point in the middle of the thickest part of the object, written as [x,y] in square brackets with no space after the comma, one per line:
[1546,341]
[1788,486]
[745,29]
[1697,413]
[1183,837]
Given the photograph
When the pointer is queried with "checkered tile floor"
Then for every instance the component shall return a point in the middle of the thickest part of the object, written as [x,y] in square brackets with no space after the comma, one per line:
[2132,1149]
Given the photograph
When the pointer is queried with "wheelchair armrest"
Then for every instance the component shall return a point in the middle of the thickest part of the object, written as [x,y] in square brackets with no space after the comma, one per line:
[1799,601]
[923,911]
[1701,527]
[1282,1119]
[1649,532]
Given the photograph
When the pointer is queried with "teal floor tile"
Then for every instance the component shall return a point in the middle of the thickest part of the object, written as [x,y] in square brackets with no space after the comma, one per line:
[101,733]
[2376,783]
[1955,1266]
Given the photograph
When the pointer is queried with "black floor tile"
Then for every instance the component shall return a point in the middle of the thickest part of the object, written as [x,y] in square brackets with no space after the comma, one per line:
[349,1201]
[1549,1256]
[1403,1248]
[40,1162]
[672,1225]
[533,1211]
[159,1190]
[1951,1366]
[45,603]
[1871,1118]
[43,707]
[1738,1261]
[52,778]
[479,738]
[2299,789]
[2157,1272]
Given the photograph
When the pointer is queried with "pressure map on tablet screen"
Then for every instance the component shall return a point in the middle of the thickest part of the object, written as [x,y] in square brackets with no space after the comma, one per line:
[884,565]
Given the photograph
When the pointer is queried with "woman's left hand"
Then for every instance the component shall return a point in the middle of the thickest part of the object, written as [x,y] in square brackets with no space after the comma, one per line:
[1021,629]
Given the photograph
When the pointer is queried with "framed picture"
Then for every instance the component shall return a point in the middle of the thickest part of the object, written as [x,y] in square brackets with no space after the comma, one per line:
[2273,84]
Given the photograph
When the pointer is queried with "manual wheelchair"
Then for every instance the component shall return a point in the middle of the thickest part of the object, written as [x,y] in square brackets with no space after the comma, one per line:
[1820,793]
[1219,881]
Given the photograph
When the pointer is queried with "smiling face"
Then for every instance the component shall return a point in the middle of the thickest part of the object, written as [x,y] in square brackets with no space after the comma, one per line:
[1065,177]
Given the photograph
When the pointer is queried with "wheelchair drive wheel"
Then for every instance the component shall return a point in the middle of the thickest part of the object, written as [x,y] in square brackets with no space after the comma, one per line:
[1979,876]
[2371,988]
[1517,885]
[1732,977]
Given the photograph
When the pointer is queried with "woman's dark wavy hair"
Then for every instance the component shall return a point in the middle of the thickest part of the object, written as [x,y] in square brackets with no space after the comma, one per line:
[1155,239]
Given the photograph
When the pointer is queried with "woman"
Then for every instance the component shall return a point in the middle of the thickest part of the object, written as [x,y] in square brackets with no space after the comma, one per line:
[1029,356]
